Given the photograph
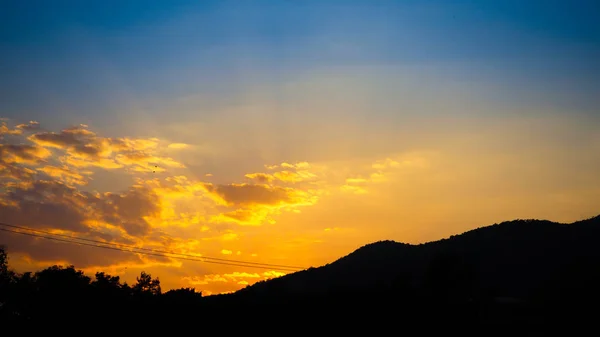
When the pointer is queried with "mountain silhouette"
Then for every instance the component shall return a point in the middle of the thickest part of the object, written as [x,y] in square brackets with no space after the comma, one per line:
[523,277]
[517,272]
[509,259]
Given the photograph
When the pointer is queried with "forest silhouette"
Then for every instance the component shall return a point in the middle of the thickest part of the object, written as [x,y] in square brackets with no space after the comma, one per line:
[525,277]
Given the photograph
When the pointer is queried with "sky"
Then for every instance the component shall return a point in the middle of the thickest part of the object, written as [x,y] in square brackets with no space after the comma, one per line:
[288,132]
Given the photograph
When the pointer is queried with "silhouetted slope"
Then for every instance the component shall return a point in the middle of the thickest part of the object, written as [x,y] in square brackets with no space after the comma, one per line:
[365,268]
[534,264]
[510,257]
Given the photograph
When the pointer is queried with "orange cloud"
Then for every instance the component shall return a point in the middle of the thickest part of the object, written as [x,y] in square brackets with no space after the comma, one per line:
[254,203]
[252,194]
[262,178]
[225,283]
[300,165]
[84,148]
[23,154]
[5,130]
[284,176]
[178,146]
[31,126]
[252,216]
[384,168]
[54,204]
[15,159]
[294,177]
[128,210]
[69,176]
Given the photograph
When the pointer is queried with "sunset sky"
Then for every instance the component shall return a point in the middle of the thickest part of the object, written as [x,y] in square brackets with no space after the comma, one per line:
[288,132]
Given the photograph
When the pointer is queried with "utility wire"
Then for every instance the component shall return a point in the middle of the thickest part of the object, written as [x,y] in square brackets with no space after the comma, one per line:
[196,259]
[149,249]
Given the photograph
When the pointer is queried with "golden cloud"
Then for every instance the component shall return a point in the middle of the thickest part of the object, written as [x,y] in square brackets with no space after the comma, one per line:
[15,159]
[254,216]
[178,146]
[384,168]
[253,194]
[67,175]
[5,130]
[23,154]
[243,203]
[300,165]
[228,282]
[294,177]
[31,126]
[254,203]
[354,189]
[284,176]
[262,178]
[84,148]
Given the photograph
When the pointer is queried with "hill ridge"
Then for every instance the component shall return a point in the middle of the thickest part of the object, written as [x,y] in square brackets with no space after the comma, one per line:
[519,245]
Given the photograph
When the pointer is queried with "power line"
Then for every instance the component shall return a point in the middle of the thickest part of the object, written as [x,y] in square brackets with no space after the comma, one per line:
[150,249]
[196,259]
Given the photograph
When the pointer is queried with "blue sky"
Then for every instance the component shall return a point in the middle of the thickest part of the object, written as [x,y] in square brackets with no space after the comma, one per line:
[86,57]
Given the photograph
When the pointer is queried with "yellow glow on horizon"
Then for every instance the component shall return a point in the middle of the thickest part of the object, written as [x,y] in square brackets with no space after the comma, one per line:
[242,184]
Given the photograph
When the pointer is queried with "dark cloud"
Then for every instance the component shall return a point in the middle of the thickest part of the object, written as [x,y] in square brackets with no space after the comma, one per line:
[5,130]
[23,154]
[14,159]
[128,210]
[44,204]
[53,204]
[31,126]
[50,252]
[44,215]
[17,173]
[251,194]
[76,140]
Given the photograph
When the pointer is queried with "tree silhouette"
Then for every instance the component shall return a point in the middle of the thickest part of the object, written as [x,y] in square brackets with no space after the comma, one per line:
[4,278]
[146,284]
[106,281]
[3,262]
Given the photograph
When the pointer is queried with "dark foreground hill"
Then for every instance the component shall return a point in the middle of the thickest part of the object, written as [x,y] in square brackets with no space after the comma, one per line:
[524,271]
[527,276]
[511,259]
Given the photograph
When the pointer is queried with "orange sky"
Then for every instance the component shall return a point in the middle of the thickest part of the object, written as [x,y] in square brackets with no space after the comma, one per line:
[287,133]
[226,188]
